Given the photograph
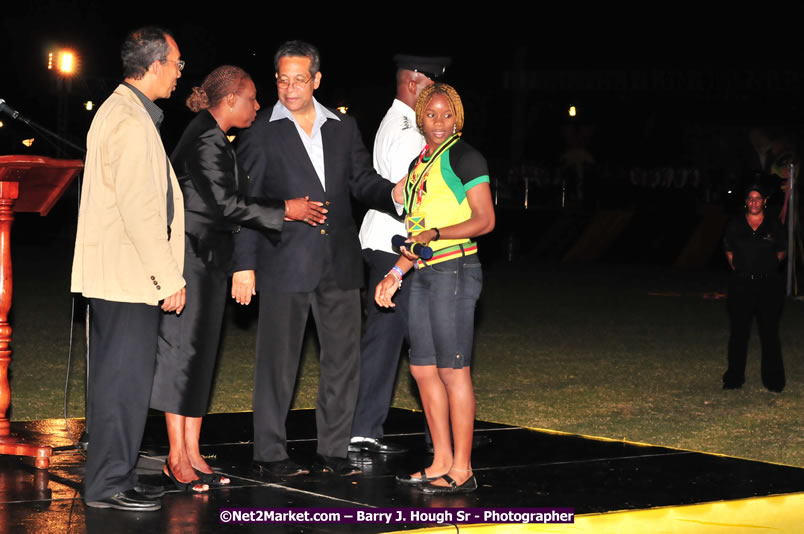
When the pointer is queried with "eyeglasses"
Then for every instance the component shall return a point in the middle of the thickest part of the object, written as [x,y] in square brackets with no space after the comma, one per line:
[179,63]
[285,83]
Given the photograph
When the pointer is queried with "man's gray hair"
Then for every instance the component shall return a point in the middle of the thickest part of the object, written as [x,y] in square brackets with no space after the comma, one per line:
[141,48]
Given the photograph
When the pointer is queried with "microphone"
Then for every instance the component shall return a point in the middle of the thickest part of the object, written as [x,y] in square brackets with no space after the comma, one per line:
[8,109]
[422,251]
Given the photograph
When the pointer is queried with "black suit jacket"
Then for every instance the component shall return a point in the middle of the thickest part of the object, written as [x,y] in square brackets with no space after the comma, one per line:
[279,167]
[215,194]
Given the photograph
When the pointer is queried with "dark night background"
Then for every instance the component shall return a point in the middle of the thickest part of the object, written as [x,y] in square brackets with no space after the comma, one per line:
[602,316]
[664,99]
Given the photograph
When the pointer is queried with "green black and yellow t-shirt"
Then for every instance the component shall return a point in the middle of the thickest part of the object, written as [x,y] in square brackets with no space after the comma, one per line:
[439,200]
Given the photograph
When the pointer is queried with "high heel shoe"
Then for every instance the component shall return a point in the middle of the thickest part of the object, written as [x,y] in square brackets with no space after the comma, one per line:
[184,486]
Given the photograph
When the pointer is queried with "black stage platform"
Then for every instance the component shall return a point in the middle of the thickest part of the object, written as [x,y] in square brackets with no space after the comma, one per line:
[522,468]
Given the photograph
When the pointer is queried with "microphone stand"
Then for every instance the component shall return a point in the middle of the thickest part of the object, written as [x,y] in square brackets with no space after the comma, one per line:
[48,135]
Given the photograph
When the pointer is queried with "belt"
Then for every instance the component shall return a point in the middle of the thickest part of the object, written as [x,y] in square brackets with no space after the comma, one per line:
[757,276]
[449,253]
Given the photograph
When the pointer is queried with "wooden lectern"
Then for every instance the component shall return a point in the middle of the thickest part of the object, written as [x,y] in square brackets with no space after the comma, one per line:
[29,184]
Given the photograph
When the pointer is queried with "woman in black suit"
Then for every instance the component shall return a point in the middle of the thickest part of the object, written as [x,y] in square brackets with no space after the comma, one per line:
[215,205]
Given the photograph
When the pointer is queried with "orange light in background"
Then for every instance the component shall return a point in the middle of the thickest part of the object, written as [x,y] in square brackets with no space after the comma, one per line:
[66,62]
[342,109]
[89,105]
[572,111]
[28,142]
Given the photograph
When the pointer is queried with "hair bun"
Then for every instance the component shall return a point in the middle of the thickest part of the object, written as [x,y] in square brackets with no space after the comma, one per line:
[198,100]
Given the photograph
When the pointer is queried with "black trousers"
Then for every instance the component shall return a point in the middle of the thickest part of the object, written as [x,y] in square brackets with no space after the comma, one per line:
[380,348]
[763,298]
[122,355]
[281,325]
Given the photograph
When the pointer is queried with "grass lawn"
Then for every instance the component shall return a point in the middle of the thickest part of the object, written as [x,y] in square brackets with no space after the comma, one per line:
[630,353]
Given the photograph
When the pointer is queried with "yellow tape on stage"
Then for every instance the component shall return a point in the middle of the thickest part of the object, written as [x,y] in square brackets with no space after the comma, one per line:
[779,514]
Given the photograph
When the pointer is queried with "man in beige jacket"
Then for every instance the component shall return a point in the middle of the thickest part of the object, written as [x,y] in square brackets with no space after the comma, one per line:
[128,259]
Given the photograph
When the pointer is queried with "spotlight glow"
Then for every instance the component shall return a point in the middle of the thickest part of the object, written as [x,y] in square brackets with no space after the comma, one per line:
[66,62]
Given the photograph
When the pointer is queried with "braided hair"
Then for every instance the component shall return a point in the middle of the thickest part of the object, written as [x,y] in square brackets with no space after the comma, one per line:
[222,81]
[452,96]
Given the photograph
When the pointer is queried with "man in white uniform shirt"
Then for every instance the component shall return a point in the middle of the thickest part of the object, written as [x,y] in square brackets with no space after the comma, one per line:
[397,143]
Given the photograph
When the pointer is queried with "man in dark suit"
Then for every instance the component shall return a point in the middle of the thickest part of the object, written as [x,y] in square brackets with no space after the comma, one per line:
[300,148]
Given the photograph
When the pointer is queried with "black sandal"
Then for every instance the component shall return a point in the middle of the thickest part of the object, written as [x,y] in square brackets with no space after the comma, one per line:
[212,479]
[188,487]
[409,480]
[468,486]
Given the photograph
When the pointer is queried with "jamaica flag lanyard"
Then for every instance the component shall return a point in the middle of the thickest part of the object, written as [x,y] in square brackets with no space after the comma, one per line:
[414,185]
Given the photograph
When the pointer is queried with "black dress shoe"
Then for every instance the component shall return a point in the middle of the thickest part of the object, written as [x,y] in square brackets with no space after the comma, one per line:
[280,468]
[337,466]
[149,490]
[130,500]
[376,446]
[83,441]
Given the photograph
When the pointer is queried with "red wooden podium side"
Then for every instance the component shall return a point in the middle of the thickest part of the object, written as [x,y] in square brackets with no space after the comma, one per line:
[29,184]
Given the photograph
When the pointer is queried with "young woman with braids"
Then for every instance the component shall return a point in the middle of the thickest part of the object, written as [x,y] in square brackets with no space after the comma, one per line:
[447,203]
[215,205]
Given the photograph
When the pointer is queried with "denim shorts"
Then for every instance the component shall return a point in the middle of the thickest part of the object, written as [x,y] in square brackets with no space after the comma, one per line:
[442,312]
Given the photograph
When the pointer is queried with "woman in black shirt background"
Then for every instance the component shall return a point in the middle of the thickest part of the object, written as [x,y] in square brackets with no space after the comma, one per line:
[755,246]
